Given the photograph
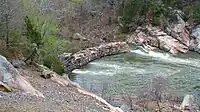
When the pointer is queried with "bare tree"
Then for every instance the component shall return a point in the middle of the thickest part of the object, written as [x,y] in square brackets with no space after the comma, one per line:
[10,18]
[159,86]
[155,94]
[106,92]
[129,101]
[5,13]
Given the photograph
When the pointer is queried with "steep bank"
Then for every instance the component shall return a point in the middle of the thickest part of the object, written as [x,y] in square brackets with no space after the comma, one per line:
[57,98]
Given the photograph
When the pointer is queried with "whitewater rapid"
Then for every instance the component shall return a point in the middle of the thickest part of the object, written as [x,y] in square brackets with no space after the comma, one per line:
[168,58]
[111,67]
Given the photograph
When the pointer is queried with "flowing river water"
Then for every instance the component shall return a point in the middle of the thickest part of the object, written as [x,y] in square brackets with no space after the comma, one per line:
[126,73]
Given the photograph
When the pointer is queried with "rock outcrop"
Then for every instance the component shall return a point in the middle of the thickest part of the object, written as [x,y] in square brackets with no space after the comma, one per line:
[154,37]
[10,79]
[178,29]
[49,74]
[174,38]
[78,36]
[77,60]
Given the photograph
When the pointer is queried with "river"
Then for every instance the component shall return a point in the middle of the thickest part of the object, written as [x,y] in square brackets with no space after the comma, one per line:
[126,73]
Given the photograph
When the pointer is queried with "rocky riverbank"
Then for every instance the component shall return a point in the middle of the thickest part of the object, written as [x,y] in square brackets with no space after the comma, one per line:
[178,37]
[49,94]
[57,98]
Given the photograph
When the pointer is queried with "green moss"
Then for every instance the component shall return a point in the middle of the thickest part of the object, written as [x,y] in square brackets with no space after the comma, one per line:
[136,59]
[196,87]
[196,13]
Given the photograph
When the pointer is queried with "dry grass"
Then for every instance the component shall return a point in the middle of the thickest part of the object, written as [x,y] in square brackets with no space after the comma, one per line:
[11,52]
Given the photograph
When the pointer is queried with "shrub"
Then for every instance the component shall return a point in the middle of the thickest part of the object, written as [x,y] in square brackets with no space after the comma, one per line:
[46,44]
[32,32]
[196,13]
[131,12]
[137,12]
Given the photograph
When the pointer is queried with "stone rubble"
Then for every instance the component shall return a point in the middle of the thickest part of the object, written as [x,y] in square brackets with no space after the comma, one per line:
[81,58]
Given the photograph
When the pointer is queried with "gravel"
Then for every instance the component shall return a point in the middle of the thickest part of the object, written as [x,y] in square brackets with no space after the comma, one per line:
[57,98]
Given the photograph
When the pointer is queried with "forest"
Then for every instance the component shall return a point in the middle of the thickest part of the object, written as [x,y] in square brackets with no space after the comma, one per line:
[97,44]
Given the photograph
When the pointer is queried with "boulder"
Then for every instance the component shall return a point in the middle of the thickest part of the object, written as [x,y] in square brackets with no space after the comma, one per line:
[77,60]
[78,36]
[125,108]
[178,24]
[172,45]
[196,41]
[10,79]
[18,63]
[188,104]
[177,29]
[61,80]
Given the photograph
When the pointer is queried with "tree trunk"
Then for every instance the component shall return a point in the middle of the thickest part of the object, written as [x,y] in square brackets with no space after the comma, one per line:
[7,31]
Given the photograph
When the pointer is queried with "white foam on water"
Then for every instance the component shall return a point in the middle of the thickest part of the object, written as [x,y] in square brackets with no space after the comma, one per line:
[82,71]
[110,71]
[112,66]
[168,58]
[152,54]
[106,64]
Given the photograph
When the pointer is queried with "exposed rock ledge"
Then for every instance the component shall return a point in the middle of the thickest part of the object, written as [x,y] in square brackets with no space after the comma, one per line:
[10,79]
[175,38]
[77,60]
[153,37]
